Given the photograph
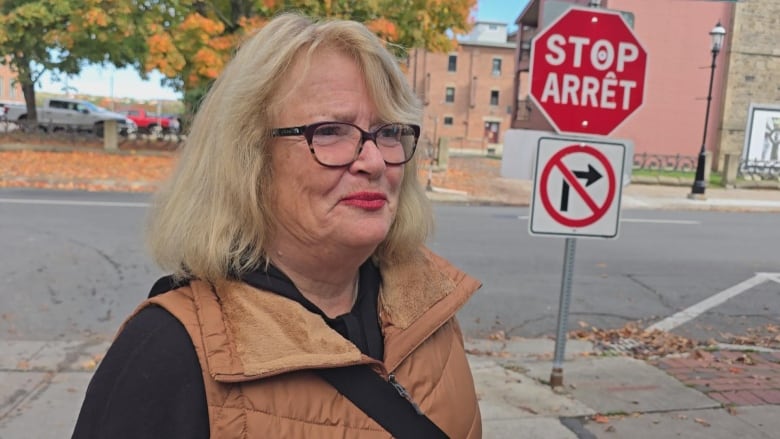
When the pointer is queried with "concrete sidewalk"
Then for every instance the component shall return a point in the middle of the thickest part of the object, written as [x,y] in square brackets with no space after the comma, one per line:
[608,396]
[42,385]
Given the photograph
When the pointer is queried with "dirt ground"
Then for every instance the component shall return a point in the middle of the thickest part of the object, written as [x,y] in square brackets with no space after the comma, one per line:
[138,168]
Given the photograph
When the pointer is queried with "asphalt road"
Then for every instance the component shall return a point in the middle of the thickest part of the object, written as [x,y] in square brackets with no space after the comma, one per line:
[73,266]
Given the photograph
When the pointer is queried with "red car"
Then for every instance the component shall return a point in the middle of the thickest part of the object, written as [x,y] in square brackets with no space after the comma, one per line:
[152,123]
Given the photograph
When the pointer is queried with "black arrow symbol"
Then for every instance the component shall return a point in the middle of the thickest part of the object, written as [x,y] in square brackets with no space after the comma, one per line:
[592,176]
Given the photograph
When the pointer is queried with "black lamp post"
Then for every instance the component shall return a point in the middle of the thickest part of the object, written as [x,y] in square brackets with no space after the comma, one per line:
[699,185]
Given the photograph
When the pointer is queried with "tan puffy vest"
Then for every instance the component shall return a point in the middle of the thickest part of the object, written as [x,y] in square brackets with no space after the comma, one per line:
[255,349]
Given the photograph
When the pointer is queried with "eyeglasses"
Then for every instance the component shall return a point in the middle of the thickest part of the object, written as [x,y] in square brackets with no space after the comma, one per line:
[336,144]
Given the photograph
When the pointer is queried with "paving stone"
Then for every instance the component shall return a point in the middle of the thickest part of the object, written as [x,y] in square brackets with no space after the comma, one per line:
[620,384]
[693,424]
[547,428]
[742,397]
[769,396]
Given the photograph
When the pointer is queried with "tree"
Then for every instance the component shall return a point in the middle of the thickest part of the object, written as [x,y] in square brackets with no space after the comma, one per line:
[190,41]
[60,36]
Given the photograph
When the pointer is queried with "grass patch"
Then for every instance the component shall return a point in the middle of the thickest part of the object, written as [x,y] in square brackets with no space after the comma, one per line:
[716,178]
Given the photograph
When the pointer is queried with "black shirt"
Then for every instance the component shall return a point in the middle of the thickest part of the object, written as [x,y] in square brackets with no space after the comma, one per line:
[150,384]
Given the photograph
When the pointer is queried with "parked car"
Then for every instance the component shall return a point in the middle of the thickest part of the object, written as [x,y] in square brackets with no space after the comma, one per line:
[175,121]
[152,123]
[69,114]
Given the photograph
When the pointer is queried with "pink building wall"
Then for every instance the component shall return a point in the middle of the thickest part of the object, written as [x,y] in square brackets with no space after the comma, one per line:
[675,34]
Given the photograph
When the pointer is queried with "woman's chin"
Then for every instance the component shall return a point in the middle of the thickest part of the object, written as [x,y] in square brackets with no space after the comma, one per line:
[365,237]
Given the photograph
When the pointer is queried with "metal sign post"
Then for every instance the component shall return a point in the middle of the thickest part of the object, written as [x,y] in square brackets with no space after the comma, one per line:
[577,191]
[556,378]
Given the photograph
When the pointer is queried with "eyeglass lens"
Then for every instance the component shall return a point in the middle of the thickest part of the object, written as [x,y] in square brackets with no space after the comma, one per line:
[338,143]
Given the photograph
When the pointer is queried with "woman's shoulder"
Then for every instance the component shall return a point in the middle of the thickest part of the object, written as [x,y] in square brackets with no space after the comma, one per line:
[152,360]
[152,334]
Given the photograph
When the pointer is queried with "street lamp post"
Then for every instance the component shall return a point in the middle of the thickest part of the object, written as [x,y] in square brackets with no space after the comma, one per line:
[699,185]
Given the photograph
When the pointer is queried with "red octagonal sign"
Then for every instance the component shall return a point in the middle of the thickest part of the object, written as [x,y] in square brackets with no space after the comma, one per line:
[588,71]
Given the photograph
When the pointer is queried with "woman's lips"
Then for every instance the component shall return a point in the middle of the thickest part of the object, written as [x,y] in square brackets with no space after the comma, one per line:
[366,200]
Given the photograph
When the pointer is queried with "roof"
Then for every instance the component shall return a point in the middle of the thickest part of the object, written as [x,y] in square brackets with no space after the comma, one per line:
[488,44]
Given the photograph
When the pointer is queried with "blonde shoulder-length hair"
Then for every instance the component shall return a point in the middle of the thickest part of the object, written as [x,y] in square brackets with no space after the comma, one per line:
[212,220]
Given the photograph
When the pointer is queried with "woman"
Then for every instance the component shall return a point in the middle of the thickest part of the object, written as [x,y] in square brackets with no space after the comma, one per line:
[294,226]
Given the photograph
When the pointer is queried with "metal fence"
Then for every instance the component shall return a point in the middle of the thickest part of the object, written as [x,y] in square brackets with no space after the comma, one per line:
[13,133]
[759,169]
[661,162]
[755,170]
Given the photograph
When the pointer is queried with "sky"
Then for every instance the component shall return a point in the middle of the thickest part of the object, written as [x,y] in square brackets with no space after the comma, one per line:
[119,83]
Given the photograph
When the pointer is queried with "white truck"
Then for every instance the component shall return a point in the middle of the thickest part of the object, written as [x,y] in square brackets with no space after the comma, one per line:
[68,114]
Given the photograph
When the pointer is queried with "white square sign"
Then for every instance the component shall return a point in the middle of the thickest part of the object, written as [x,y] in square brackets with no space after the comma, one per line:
[577,188]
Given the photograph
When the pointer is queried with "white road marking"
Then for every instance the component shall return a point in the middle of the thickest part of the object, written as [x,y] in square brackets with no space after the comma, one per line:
[773,276]
[72,203]
[659,221]
[696,310]
[644,220]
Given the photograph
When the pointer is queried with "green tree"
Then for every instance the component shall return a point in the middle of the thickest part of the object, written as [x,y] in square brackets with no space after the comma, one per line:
[61,36]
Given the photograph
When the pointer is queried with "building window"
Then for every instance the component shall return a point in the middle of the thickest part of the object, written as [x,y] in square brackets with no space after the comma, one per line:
[496,66]
[450,95]
[12,90]
[494,97]
[452,63]
[448,120]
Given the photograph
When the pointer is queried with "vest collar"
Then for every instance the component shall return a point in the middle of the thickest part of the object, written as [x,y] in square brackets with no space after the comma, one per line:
[251,333]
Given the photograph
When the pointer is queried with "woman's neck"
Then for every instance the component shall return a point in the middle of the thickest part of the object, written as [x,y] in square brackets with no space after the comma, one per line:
[333,290]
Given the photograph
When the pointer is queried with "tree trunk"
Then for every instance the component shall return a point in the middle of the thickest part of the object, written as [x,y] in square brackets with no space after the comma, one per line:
[28,90]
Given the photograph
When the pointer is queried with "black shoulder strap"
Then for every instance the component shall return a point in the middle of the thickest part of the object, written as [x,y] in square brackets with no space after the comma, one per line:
[382,401]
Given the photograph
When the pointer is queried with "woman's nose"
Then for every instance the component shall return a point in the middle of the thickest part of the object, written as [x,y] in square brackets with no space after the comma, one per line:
[370,158]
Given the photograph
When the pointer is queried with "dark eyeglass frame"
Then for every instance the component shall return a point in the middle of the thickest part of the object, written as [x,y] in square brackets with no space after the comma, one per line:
[307,131]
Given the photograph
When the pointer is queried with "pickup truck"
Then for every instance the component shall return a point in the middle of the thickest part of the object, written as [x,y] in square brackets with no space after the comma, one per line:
[152,123]
[68,114]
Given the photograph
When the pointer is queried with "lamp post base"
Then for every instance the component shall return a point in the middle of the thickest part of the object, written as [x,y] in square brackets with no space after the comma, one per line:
[698,197]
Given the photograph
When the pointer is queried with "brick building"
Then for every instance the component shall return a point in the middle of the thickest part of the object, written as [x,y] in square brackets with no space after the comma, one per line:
[467,92]
[676,36]
[752,77]
[10,91]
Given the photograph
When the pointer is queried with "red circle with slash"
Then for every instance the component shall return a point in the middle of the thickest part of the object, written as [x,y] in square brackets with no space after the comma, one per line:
[598,210]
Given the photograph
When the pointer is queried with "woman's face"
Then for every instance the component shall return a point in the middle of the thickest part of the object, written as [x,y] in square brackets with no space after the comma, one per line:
[330,210]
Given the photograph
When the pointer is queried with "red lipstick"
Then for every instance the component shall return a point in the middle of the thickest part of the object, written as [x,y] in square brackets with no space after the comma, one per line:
[366,200]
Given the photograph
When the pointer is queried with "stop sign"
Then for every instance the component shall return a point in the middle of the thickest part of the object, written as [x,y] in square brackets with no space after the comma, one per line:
[587,71]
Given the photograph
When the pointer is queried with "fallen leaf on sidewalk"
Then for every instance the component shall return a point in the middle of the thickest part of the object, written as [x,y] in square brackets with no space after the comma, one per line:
[702,355]
[702,422]
[498,335]
[600,419]
[529,410]
[89,364]
[483,353]
[732,410]
[23,365]
[644,344]
[746,359]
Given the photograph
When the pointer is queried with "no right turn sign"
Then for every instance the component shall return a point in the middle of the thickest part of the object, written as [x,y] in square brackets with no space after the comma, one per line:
[577,188]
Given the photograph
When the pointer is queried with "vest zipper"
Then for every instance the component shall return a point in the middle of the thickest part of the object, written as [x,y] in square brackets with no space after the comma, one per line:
[404,394]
